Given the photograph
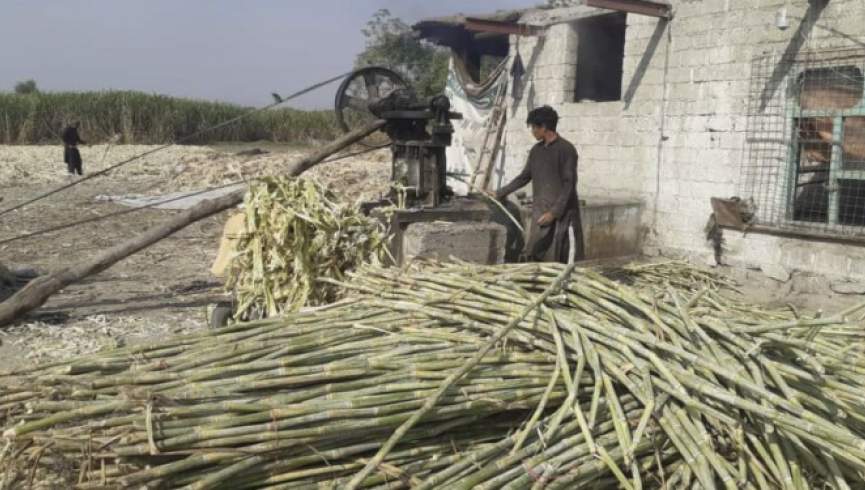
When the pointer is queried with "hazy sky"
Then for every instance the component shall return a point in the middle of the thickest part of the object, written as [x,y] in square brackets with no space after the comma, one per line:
[238,51]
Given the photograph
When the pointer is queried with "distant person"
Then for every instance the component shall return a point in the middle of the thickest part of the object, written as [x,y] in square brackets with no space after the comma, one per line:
[552,170]
[71,155]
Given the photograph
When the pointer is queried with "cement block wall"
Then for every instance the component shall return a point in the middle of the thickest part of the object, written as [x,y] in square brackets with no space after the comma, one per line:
[678,136]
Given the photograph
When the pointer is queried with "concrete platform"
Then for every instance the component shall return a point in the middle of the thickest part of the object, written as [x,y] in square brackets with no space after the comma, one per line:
[467,229]
[476,242]
[468,211]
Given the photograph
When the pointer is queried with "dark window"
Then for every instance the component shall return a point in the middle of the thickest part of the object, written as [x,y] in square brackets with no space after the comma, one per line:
[854,143]
[829,153]
[480,58]
[851,202]
[813,156]
[600,53]
[851,210]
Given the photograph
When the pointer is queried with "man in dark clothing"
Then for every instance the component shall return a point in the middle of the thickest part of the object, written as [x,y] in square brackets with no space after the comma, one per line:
[71,155]
[552,170]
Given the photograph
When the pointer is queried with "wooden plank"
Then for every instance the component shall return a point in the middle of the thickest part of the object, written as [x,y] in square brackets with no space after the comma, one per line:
[803,234]
[493,26]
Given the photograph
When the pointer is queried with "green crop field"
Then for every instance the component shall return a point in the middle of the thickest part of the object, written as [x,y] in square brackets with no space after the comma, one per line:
[142,118]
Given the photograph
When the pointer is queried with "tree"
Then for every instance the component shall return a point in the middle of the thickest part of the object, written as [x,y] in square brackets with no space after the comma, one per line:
[26,87]
[390,43]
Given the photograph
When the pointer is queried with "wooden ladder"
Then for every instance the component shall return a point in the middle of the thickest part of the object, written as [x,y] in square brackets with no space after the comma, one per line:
[492,142]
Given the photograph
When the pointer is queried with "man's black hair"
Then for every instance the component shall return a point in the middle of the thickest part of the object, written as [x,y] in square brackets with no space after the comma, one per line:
[544,116]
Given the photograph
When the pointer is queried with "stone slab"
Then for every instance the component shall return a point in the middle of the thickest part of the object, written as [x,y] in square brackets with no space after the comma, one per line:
[476,242]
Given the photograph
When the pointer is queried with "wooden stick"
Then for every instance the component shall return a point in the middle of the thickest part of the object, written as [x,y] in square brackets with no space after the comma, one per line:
[37,292]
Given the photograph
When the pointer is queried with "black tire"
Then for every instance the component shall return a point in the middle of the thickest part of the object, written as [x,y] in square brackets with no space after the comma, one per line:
[220,316]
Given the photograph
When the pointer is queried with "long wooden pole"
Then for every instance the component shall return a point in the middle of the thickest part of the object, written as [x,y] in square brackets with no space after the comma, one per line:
[37,292]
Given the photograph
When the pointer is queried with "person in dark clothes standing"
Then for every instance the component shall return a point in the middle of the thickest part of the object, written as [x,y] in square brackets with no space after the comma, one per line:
[552,170]
[71,155]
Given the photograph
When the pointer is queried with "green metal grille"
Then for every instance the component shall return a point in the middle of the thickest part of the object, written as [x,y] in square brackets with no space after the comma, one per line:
[805,164]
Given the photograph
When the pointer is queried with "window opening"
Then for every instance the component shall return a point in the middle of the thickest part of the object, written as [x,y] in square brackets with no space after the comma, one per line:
[805,164]
[600,55]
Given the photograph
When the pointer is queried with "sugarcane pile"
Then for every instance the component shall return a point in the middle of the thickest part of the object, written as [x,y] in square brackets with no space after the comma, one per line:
[295,231]
[456,376]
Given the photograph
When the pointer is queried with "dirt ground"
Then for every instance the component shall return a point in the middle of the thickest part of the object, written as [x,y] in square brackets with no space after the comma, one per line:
[161,291]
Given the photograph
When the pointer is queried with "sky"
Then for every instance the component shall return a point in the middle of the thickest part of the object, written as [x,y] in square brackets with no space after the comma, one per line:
[229,50]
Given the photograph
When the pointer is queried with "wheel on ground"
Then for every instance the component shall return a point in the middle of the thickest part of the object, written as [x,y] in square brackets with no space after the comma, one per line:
[220,316]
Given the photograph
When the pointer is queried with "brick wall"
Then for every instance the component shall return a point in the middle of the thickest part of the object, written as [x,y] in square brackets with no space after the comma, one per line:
[678,137]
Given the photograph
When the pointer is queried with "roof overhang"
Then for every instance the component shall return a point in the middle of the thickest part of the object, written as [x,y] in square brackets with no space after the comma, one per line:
[476,24]
[484,32]
[641,7]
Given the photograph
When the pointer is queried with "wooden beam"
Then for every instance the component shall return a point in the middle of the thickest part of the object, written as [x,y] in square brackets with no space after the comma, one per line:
[802,234]
[641,7]
[510,28]
[37,292]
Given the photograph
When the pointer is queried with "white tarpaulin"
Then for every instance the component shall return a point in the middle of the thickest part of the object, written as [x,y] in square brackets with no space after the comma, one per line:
[475,102]
[174,200]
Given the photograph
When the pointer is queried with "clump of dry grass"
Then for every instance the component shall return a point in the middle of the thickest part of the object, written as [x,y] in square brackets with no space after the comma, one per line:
[41,341]
[48,470]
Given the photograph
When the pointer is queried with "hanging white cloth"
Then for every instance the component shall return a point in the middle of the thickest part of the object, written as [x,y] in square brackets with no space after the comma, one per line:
[475,101]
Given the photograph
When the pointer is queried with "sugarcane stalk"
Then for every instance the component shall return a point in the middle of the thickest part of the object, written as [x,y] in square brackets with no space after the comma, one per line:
[431,401]
[364,367]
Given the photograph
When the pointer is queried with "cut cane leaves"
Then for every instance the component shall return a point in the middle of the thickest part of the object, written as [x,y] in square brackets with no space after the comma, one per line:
[298,232]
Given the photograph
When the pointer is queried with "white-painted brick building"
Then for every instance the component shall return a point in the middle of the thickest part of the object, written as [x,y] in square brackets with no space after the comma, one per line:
[679,131]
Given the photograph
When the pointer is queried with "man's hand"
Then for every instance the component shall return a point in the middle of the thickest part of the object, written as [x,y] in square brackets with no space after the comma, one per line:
[546,218]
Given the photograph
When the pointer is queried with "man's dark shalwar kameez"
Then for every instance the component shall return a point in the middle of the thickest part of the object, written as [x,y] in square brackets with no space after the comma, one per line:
[71,155]
[552,170]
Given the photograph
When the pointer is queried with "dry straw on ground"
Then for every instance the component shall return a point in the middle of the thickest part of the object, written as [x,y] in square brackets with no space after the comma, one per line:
[191,167]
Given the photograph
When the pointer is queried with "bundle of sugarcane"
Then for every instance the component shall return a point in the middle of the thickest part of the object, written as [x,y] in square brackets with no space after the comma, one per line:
[742,397]
[307,401]
[297,230]
[453,376]
[656,279]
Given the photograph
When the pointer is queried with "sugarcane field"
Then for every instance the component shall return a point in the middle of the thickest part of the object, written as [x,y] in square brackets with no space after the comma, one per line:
[498,244]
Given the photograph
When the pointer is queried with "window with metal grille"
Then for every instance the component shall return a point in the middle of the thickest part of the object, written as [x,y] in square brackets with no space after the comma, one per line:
[806,140]
[826,176]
